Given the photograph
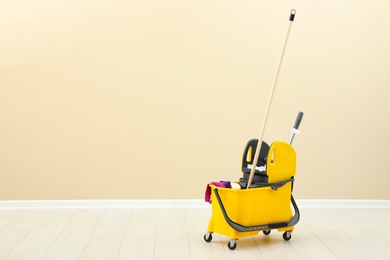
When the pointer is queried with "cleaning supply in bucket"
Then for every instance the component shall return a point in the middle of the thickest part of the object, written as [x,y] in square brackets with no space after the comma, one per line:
[236,186]
[207,195]
[222,184]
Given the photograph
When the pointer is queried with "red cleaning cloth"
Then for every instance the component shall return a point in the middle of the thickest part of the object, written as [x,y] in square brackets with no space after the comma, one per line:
[207,195]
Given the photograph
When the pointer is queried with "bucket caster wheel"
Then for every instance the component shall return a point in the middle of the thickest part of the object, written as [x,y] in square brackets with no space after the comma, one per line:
[232,244]
[267,232]
[208,237]
[287,235]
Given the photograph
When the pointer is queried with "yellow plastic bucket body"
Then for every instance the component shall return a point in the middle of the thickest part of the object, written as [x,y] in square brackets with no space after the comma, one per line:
[257,206]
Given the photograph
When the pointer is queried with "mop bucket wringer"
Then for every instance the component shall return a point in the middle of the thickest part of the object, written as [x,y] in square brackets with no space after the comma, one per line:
[239,213]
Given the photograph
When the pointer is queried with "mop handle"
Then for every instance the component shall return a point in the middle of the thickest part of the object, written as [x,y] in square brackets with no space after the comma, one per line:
[295,130]
[260,140]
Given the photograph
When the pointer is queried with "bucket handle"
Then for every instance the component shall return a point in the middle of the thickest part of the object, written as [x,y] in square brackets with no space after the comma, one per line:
[241,228]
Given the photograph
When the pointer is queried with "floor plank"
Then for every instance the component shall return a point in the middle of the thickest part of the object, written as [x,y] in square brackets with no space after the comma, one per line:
[368,239]
[42,237]
[140,235]
[171,235]
[338,242]
[18,229]
[72,241]
[8,215]
[383,225]
[275,247]
[108,235]
[307,245]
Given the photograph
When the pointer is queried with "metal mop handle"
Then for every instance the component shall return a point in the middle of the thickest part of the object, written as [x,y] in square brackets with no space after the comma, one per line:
[260,140]
[295,130]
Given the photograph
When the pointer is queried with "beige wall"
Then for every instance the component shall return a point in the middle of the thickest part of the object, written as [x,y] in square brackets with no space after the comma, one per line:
[154,99]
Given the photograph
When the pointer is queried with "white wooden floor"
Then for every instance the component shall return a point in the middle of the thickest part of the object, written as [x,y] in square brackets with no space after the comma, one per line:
[177,233]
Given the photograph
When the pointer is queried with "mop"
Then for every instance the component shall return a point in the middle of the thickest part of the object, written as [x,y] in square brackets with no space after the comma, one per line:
[260,140]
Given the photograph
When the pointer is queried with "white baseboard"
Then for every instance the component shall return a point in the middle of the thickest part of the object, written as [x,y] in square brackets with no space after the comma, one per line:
[343,203]
[102,204]
[28,204]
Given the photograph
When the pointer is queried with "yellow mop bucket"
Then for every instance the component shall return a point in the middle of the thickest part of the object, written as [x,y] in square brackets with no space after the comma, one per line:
[239,213]
[265,205]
